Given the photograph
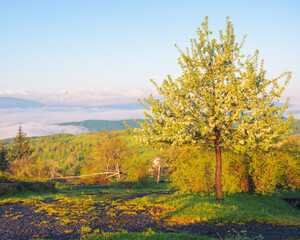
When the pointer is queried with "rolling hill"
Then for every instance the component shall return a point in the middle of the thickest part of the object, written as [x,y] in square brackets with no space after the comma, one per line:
[107,125]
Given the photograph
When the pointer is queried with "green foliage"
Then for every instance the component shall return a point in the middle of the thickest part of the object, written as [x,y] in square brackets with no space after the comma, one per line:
[136,169]
[274,169]
[149,235]
[47,169]
[23,163]
[191,169]
[106,155]
[222,100]
[5,178]
[4,161]
[86,229]
[62,153]
[94,180]
[20,146]
[221,95]
[24,168]
[68,155]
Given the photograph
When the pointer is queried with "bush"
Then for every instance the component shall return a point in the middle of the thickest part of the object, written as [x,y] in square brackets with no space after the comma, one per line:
[192,169]
[136,170]
[36,186]
[98,180]
[5,178]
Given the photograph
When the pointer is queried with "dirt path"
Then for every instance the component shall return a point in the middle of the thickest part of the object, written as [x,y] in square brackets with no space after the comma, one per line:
[19,221]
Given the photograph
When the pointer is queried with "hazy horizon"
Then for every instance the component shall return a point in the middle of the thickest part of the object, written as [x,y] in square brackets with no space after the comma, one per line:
[41,121]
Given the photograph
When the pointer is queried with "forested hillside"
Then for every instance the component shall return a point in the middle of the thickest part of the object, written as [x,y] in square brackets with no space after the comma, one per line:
[106,125]
[71,152]
[190,169]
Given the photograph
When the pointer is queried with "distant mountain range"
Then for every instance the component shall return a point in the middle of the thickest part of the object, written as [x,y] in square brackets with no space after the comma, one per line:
[9,102]
[106,125]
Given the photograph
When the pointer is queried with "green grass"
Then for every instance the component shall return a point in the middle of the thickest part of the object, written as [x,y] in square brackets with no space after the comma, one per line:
[146,236]
[150,235]
[236,208]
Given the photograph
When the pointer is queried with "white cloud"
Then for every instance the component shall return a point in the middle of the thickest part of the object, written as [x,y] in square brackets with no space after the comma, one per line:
[83,96]
[41,121]
[37,129]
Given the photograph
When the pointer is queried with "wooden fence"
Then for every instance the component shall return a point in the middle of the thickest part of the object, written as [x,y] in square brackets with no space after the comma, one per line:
[108,174]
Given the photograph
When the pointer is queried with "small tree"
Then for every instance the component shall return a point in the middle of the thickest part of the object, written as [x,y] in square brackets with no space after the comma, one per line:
[20,146]
[136,168]
[106,155]
[222,99]
[23,164]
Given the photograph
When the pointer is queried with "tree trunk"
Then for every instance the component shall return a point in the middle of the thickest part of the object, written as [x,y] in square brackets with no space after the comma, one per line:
[218,176]
[250,184]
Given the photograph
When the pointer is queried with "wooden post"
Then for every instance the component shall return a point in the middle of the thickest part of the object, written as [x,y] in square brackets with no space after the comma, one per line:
[118,172]
[158,174]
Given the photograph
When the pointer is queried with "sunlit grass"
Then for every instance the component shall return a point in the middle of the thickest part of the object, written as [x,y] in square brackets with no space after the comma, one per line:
[236,208]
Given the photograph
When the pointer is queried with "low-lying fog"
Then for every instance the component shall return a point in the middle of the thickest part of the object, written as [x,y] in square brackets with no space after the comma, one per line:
[41,121]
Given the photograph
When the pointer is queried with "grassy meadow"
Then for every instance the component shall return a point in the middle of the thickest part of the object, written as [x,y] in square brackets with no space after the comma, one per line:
[78,205]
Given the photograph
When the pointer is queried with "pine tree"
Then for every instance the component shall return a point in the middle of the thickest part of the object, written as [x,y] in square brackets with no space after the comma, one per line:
[222,100]
[20,146]
[23,163]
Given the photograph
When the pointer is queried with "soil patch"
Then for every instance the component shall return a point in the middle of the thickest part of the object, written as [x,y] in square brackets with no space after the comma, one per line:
[21,222]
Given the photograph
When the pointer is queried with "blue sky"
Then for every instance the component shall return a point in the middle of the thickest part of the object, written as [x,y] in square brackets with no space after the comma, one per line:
[95,53]
[53,45]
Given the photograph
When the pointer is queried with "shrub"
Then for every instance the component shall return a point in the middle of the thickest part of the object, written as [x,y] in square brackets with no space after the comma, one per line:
[192,169]
[5,178]
[136,170]
[98,180]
